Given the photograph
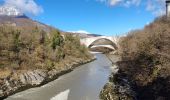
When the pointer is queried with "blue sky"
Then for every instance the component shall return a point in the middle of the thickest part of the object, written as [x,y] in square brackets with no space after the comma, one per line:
[106,17]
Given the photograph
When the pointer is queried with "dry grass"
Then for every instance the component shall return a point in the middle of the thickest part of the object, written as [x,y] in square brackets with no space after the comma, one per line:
[146,54]
[37,50]
[4,73]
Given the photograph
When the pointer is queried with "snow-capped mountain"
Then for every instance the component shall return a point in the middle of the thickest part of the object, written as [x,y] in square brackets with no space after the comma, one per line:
[8,10]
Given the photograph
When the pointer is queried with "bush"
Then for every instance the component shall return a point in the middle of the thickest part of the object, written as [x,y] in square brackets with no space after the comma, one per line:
[57,40]
[73,47]
[147,55]
[20,50]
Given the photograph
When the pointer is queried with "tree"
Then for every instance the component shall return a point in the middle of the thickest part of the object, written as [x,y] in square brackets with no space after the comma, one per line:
[57,40]
[16,39]
[42,37]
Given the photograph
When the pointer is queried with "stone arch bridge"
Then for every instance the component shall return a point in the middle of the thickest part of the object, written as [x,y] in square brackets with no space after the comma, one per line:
[90,42]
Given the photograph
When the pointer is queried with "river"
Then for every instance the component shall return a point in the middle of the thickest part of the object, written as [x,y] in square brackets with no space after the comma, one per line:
[84,83]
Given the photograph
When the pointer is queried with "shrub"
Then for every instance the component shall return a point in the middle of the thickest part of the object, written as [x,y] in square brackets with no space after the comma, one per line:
[73,47]
[57,39]
[21,50]
[147,56]
[16,39]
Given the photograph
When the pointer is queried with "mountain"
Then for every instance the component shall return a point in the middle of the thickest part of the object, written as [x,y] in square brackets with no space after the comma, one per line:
[11,16]
[84,35]
[25,23]
[8,10]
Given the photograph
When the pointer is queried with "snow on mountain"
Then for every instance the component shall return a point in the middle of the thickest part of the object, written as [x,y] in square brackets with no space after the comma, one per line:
[80,31]
[8,10]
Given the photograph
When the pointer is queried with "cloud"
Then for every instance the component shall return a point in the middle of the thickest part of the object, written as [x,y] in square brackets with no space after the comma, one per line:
[114,2]
[80,31]
[25,6]
[156,7]
[129,3]
[125,3]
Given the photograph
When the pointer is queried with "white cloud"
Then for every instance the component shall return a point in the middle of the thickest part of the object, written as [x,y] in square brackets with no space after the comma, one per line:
[80,31]
[25,6]
[114,2]
[110,2]
[125,3]
[156,7]
[128,3]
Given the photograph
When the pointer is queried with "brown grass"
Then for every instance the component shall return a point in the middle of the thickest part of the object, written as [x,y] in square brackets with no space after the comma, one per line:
[146,54]
[37,50]
[4,73]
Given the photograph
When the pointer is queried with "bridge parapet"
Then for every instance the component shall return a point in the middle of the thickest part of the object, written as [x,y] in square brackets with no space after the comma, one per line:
[88,41]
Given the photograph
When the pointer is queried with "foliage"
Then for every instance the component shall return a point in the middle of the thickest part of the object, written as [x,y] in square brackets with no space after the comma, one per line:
[20,50]
[72,46]
[146,54]
[57,40]
[16,40]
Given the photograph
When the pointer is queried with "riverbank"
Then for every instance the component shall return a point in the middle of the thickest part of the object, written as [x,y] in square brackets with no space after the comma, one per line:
[144,72]
[30,58]
[33,78]
[84,83]
[118,86]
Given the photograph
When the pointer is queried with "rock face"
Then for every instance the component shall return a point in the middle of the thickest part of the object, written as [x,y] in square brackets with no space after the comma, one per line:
[10,84]
[33,78]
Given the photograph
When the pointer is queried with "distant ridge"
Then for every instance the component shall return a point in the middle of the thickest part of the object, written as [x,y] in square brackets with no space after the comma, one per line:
[11,16]
[84,35]
[24,22]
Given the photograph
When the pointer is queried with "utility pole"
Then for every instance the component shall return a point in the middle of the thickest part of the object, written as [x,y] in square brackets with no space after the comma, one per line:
[168,8]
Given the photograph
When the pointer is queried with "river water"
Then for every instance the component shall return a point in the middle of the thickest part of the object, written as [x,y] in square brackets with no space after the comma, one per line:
[84,83]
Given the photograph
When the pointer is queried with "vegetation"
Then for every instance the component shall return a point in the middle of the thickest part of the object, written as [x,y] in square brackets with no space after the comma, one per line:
[146,60]
[20,50]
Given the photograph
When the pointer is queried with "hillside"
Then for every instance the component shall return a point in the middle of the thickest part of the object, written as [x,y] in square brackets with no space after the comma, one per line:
[23,22]
[32,53]
[144,72]
[82,35]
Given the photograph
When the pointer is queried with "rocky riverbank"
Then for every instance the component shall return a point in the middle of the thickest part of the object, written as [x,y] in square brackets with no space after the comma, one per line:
[34,78]
[118,87]
[145,63]
[122,87]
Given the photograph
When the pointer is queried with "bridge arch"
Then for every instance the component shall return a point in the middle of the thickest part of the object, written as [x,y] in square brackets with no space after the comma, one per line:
[103,38]
[103,46]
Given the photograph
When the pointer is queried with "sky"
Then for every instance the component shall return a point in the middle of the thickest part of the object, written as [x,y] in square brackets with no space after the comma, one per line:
[105,17]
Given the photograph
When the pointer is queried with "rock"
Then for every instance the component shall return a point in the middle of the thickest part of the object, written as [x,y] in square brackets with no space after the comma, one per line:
[41,72]
[22,79]
[52,73]
[114,69]
[108,92]
[118,88]
[1,93]
[36,77]
[11,84]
